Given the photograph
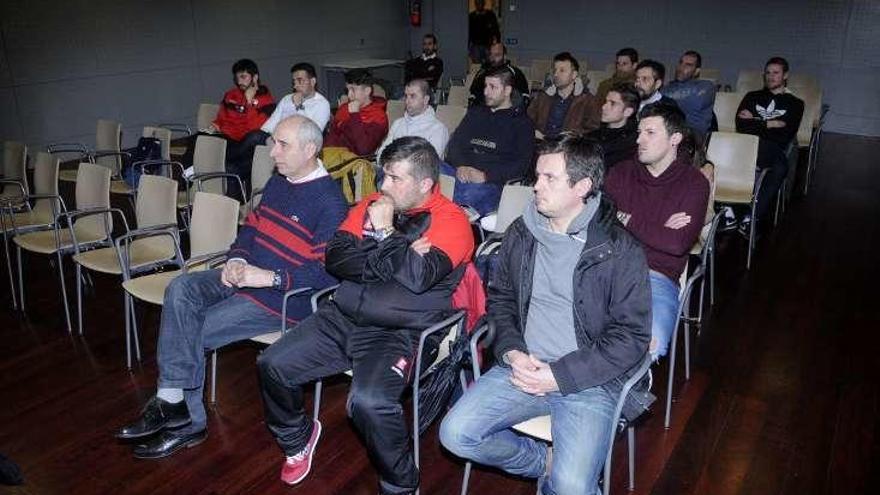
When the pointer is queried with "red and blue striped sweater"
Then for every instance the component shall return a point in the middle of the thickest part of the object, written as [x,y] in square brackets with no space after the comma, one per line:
[287,234]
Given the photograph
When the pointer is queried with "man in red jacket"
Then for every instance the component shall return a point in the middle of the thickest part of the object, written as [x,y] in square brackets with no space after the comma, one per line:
[244,109]
[661,199]
[360,123]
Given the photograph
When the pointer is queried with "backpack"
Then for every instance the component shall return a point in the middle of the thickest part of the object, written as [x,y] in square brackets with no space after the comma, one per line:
[148,148]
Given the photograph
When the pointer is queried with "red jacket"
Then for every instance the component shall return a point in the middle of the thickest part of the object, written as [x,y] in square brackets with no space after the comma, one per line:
[360,132]
[237,117]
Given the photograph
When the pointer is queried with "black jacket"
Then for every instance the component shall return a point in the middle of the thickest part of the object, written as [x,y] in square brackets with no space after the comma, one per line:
[617,144]
[612,313]
[766,106]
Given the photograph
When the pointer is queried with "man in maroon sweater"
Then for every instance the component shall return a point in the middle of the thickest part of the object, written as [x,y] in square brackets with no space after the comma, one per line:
[661,199]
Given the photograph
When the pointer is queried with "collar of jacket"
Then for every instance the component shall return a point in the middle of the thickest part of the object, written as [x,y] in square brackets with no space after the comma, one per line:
[578,88]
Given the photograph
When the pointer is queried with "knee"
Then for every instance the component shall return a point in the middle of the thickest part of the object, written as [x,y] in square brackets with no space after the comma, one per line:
[368,402]
[457,437]
[571,482]
[269,367]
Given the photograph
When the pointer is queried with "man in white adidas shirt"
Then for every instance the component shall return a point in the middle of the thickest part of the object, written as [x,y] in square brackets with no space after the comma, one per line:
[418,119]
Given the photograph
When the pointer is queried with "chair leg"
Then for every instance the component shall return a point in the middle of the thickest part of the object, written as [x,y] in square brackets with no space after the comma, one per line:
[135,335]
[79,302]
[64,292]
[317,406]
[467,476]
[669,385]
[751,237]
[779,195]
[214,377]
[687,347]
[631,451]
[127,331]
[8,263]
[712,275]
[20,277]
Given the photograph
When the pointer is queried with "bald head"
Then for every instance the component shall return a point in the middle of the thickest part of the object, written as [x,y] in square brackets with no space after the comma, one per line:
[298,141]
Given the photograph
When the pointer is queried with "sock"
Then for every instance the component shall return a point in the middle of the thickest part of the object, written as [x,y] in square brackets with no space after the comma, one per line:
[172,395]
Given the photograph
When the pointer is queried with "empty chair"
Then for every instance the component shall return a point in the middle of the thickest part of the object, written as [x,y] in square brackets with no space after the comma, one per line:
[107,151]
[394,109]
[725,110]
[451,116]
[14,182]
[735,157]
[682,319]
[458,96]
[213,227]
[206,114]
[163,135]
[713,75]
[156,207]
[209,159]
[511,206]
[83,229]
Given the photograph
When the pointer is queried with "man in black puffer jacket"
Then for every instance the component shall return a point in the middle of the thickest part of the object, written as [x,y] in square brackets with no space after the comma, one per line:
[571,304]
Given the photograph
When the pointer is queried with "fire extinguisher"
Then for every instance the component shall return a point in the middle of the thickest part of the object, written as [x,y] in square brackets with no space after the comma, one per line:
[415,12]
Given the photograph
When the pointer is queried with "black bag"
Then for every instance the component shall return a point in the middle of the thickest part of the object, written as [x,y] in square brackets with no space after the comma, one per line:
[147,148]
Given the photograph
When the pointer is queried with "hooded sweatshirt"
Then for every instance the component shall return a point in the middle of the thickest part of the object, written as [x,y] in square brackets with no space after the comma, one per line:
[549,330]
[425,125]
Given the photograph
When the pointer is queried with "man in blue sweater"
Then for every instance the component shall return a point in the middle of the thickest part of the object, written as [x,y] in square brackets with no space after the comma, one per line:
[494,143]
[695,96]
[279,248]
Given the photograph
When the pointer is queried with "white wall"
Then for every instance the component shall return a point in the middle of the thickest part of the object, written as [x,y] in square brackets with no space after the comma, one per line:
[65,64]
[836,40]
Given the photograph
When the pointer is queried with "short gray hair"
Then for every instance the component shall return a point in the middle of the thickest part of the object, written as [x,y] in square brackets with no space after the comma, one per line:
[307,132]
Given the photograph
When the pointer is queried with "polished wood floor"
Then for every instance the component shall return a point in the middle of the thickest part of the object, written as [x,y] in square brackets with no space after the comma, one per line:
[783,399]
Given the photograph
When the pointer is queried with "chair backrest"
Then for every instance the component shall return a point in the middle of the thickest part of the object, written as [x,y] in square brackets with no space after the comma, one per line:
[93,191]
[713,74]
[163,135]
[108,137]
[801,80]
[206,114]
[447,186]
[156,205]
[513,202]
[210,156]
[262,168]
[734,156]
[749,80]
[725,110]
[458,96]
[541,67]
[612,67]
[451,116]
[594,78]
[394,109]
[45,180]
[812,108]
[214,223]
[15,164]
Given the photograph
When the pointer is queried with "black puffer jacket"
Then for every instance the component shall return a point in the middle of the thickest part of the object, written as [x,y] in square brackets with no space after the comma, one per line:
[612,311]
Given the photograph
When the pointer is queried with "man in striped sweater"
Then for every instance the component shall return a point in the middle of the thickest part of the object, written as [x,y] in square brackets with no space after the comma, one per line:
[280,247]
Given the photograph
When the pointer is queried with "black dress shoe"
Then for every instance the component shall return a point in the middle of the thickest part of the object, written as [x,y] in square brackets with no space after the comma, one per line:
[157,414]
[167,443]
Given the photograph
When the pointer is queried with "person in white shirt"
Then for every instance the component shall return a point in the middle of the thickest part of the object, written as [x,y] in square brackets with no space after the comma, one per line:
[304,100]
[418,119]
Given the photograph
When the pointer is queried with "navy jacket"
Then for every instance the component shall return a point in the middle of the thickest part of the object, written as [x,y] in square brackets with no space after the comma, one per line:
[501,144]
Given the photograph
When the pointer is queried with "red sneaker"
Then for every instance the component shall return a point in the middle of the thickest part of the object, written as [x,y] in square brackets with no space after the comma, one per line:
[297,467]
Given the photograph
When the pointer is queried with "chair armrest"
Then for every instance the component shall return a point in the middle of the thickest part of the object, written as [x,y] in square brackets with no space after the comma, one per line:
[20,184]
[204,259]
[68,148]
[175,127]
[198,179]
[70,216]
[287,295]
[325,292]
[169,230]
[485,331]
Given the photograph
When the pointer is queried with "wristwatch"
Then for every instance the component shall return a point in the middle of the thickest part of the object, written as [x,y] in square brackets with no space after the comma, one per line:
[276,280]
[383,234]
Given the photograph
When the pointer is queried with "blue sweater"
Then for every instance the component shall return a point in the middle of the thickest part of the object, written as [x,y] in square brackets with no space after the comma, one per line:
[500,144]
[696,98]
[287,234]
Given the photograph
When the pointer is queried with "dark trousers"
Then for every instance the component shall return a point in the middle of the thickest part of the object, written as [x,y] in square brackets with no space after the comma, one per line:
[771,156]
[240,159]
[381,359]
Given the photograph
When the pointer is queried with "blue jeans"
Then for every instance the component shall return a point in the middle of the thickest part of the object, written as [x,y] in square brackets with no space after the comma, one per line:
[664,309]
[478,428]
[482,197]
[201,314]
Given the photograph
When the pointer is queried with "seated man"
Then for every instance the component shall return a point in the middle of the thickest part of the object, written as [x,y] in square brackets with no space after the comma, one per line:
[493,144]
[244,109]
[661,199]
[427,66]
[279,248]
[360,122]
[774,115]
[400,255]
[624,71]
[418,119]
[695,96]
[570,327]
[497,58]
[304,100]
[649,80]
[564,106]
[618,132]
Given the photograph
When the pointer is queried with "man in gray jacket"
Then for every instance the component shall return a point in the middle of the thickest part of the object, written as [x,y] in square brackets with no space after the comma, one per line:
[571,304]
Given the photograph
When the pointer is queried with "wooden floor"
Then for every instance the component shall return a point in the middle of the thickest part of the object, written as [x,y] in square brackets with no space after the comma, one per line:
[783,400]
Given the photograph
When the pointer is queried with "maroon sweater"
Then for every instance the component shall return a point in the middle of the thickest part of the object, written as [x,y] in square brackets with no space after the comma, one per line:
[652,200]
